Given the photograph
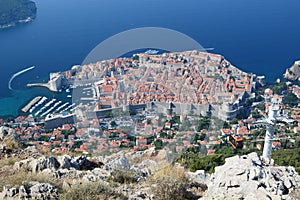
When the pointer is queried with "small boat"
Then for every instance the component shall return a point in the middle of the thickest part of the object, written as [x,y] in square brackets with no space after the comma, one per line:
[151,51]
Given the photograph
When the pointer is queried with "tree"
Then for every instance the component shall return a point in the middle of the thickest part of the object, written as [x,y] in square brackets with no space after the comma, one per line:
[290,99]
[202,137]
[255,115]
[113,124]
[234,121]
[261,106]
[135,57]
[278,89]
[194,138]
[158,144]
[203,123]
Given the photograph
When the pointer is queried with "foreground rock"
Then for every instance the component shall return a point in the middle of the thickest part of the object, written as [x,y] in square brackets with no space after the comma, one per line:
[247,177]
[32,190]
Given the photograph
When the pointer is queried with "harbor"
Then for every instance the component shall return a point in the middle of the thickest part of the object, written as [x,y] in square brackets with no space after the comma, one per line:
[42,106]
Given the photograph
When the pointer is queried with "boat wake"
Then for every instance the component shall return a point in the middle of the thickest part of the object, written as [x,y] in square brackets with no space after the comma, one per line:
[17,74]
[207,49]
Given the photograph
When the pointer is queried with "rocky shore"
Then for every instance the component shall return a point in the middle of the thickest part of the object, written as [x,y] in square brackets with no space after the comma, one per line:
[293,73]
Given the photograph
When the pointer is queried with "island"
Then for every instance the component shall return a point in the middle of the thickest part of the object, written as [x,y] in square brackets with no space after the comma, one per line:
[13,12]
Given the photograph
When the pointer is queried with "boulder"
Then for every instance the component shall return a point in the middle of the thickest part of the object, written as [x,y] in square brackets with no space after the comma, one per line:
[120,163]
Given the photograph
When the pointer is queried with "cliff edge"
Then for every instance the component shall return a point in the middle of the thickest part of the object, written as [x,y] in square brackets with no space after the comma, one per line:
[293,73]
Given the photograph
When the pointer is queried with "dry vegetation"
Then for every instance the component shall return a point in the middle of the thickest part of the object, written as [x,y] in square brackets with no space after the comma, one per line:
[171,183]
[12,144]
[123,177]
[8,161]
[16,179]
[91,191]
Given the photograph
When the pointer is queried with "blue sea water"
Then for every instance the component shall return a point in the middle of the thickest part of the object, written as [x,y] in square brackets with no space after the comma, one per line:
[256,36]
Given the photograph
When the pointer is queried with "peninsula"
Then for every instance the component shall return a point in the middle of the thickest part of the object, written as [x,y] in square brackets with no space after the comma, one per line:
[13,12]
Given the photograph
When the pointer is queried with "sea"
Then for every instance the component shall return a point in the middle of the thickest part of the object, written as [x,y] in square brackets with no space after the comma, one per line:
[256,36]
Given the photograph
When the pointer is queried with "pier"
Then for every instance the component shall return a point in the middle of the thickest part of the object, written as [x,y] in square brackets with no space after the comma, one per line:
[38,85]
[30,104]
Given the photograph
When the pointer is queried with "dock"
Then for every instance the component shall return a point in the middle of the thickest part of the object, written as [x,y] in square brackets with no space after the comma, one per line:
[30,104]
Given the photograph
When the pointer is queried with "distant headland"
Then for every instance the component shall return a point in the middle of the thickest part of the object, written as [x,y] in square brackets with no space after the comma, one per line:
[13,12]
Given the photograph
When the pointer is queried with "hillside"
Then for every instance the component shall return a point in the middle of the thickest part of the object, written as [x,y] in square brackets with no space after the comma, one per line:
[25,173]
[16,11]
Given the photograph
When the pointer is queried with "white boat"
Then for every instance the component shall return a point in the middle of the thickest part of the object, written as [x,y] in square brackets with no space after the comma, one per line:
[151,51]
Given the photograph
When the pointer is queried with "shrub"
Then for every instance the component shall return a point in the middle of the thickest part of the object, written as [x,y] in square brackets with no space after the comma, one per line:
[123,177]
[91,191]
[12,144]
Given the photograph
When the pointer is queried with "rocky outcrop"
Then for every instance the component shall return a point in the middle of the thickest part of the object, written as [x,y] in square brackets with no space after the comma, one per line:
[53,164]
[6,133]
[247,177]
[79,167]
[293,73]
[32,190]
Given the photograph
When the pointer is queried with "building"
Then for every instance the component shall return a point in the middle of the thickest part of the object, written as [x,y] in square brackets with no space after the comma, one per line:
[56,121]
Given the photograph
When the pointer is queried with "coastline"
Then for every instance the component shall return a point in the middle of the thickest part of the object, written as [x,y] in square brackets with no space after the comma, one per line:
[15,23]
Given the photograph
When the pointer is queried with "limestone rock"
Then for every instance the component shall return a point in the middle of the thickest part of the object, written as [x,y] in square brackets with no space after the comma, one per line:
[121,163]
[247,177]
[34,190]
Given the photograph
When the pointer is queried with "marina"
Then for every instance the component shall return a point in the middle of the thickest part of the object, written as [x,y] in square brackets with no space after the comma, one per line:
[41,106]
[52,108]
[38,104]
[44,107]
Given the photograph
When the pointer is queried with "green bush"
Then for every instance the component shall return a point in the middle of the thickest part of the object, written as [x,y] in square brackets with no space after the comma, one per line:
[196,162]
[287,157]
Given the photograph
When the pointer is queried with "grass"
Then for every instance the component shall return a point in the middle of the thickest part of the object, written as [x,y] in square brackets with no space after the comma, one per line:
[91,191]
[22,178]
[8,161]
